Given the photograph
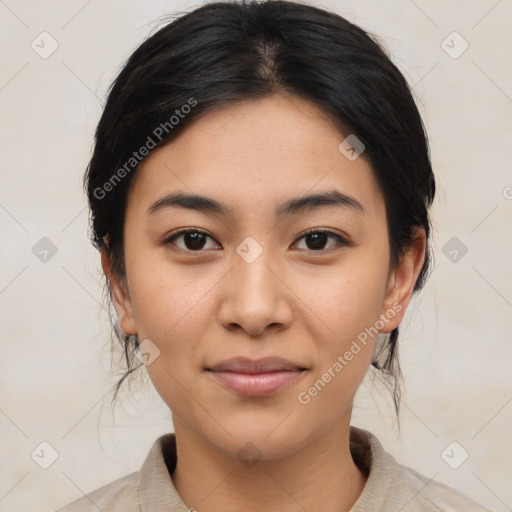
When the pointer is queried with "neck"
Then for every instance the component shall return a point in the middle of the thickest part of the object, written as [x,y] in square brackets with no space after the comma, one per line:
[319,476]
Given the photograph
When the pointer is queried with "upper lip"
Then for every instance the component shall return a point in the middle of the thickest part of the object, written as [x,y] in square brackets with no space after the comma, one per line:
[246,365]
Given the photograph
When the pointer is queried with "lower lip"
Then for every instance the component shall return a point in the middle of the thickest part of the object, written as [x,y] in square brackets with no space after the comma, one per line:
[258,384]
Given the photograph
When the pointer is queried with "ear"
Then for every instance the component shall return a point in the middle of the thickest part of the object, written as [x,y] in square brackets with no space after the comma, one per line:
[401,282]
[121,296]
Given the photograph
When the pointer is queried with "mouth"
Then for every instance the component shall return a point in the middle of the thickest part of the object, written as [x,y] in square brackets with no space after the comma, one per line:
[256,366]
[257,384]
[261,377]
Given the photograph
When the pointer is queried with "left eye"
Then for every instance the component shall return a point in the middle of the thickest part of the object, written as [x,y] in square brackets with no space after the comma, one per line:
[317,239]
[195,240]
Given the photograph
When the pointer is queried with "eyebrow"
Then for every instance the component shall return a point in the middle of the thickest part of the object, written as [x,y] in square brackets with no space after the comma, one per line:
[305,203]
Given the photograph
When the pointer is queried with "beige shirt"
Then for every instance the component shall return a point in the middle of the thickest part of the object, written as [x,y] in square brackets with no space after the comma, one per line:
[390,487]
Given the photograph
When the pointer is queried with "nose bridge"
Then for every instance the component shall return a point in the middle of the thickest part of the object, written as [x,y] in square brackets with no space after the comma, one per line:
[256,296]
[253,262]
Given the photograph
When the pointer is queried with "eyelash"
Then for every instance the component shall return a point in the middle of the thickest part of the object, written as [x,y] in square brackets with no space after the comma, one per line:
[341,240]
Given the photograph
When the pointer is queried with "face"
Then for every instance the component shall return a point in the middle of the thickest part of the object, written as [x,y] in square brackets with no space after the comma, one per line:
[247,278]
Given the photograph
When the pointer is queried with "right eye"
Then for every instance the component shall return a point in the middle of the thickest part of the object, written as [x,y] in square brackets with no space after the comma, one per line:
[193,240]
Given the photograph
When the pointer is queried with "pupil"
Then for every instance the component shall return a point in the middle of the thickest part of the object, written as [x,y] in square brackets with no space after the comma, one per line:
[318,240]
[194,240]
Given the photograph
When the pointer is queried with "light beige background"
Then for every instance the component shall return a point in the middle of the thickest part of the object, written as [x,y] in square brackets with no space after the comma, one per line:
[456,349]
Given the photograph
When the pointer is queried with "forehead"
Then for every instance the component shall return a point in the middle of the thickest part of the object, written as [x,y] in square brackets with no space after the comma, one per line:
[254,153]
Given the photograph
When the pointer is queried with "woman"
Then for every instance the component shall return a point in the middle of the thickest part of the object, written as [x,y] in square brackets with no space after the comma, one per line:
[259,193]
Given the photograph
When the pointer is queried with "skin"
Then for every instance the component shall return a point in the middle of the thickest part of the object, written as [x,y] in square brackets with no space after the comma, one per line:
[200,307]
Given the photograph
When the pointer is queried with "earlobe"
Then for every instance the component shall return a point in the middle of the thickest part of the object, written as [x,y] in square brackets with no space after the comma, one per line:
[120,294]
[402,280]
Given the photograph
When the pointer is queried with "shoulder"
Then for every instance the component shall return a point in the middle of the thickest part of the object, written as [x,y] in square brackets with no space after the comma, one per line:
[392,486]
[420,493]
[121,495]
[150,488]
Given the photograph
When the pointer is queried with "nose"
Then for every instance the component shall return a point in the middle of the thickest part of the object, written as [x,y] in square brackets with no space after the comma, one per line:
[255,297]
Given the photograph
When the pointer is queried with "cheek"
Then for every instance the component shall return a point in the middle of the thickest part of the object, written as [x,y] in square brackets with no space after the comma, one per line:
[346,299]
[356,304]
[171,310]
[348,304]
[167,300]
